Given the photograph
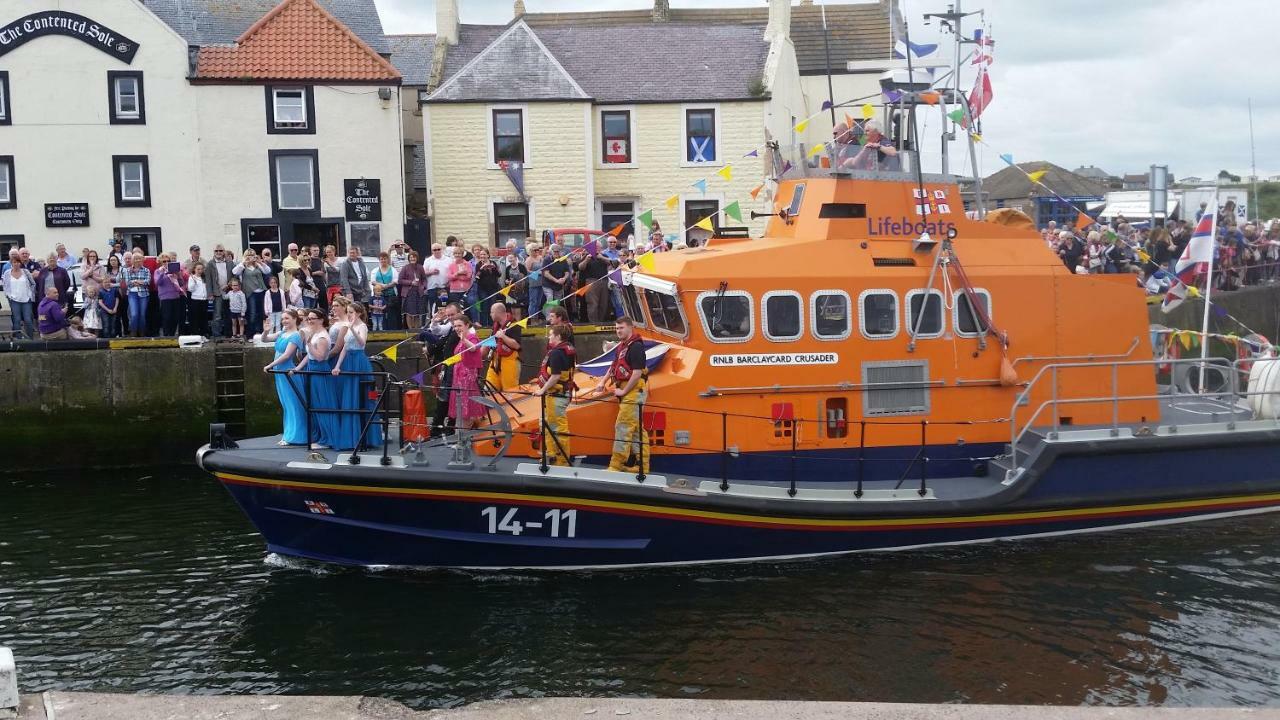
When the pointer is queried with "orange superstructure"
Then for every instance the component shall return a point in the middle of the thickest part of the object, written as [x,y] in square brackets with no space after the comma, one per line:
[843,315]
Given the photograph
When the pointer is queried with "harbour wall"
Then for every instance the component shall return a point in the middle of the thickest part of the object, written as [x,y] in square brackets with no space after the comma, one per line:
[152,403]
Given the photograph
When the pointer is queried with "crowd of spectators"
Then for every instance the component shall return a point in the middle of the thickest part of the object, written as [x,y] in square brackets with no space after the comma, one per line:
[1245,253]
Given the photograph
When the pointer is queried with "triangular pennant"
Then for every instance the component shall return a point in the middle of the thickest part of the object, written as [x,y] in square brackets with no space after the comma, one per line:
[1036,176]
[593,247]
[522,322]
[816,149]
[868,111]
[726,172]
[702,186]
[956,115]
[976,137]
[616,276]
[672,202]
[582,290]
[1008,159]
[848,120]
[1184,338]
[800,126]
[826,105]
[453,360]
[390,353]
[646,219]
[490,341]
[417,379]
[1083,221]
[705,224]
[753,153]
[733,210]
[506,292]
[786,166]
[756,191]
[646,261]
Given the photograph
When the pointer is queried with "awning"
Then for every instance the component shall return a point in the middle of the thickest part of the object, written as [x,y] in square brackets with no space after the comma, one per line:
[1137,209]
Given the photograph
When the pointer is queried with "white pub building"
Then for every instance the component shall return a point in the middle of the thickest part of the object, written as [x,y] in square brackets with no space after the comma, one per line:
[166,124]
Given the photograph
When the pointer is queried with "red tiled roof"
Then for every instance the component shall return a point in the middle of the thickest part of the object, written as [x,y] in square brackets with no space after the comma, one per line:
[297,40]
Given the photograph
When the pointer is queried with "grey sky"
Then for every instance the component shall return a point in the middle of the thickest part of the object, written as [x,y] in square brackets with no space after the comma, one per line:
[1120,84]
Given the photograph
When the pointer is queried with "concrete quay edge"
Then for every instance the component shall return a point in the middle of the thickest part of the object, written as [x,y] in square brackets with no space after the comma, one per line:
[56,705]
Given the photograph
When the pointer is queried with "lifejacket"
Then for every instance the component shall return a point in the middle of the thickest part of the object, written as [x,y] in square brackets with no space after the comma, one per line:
[501,348]
[566,378]
[620,370]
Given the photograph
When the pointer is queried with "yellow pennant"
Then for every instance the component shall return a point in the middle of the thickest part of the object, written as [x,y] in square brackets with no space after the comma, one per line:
[1192,291]
[868,111]
[506,292]
[705,224]
[976,137]
[672,202]
[646,261]
[816,149]
[390,353]
[726,172]
[523,322]
[1036,176]
[1143,256]
[800,126]
[452,360]
[1184,337]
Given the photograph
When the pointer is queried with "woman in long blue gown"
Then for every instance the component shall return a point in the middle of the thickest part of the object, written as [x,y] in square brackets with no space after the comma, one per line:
[289,348]
[355,382]
[322,394]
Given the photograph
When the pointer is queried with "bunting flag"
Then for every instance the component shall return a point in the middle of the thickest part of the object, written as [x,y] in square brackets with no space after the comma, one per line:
[816,149]
[1008,159]
[800,126]
[976,137]
[733,210]
[453,360]
[868,111]
[848,120]
[1083,221]
[755,192]
[646,219]
[981,95]
[523,322]
[672,202]
[390,353]
[705,224]
[786,166]
[826,105]
[616,276]
[1198,253]
[417,379]
[490,341]
[506,292]
[593,247]
[1036,176]
[753,153]
[702,186]
[930,97]
[956,115]
[726,172]
[645,261]
[582,290]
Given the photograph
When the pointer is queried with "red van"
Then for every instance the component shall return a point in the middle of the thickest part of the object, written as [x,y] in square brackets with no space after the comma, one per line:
[570,238]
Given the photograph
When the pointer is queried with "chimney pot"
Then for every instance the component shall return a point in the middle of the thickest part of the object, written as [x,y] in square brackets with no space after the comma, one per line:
[519,8]
[779,18]
[447,21]
[661,10]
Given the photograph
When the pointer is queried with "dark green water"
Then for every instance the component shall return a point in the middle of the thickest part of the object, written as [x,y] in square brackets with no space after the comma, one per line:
[152,581]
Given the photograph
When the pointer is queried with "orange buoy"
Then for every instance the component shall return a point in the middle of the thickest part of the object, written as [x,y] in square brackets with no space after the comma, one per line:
[413,426]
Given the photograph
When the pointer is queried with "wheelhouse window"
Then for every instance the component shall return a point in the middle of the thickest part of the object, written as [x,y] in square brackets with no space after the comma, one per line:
[8,195]
[967,324]
[878,314]
[132,181]
[615,134]
[797,198]
[631,305]
[781,316]
[294,179]
[6,117]
[831,315]
[128,102]
[511,221]
[290,110]
[726,316]
[924,313]
[666,313]
[508,135]
[700,135]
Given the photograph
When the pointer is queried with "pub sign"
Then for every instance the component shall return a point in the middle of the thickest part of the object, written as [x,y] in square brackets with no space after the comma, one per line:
[363,199]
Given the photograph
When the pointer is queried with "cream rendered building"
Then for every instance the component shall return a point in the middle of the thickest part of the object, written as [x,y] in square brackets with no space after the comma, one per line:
[195,123]
[610,114]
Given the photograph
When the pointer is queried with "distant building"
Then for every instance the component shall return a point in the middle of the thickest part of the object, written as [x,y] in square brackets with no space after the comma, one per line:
[1192,180]
[1093,173]
[1012,188]
[1136,181]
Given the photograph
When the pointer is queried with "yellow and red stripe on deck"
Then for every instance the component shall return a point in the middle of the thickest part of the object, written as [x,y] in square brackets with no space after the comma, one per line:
[1211,505]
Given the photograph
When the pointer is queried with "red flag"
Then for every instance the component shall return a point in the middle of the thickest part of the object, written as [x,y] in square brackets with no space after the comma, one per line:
[981,95]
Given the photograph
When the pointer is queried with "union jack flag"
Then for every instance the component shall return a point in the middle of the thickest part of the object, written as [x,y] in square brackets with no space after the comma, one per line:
[318,508]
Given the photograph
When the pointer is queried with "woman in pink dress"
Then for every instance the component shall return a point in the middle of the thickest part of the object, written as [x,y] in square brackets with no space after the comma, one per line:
[466,375]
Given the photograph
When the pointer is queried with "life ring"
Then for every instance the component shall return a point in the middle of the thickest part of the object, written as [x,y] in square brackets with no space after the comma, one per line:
[1264,383]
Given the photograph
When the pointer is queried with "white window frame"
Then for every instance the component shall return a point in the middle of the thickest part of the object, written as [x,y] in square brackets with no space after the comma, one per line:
[4,97]
[275,108]
[599,136]
[684,136]
[751,316]
[911,321]
[116,95]
[764,315]
[524,130]
[955,312]
[813,315]
[494,202]
[862,318]
[311,178]
[6,181]
[684,317]
[141,181]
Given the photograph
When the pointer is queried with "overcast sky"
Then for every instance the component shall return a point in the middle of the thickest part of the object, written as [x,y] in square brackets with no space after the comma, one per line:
[1119,84]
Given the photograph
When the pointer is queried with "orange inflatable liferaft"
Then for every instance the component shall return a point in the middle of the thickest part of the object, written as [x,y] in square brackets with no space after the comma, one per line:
[413,424]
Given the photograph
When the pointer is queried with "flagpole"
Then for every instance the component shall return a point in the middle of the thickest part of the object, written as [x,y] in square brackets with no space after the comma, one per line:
[1208,288]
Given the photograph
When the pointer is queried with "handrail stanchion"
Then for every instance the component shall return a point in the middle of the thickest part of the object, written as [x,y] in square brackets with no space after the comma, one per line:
[862,455]
[542,429]
[306,394]
[1054,399]
[724,451]
[641,441]
[1115,400]
[924,458]
[386,419]
[795,429]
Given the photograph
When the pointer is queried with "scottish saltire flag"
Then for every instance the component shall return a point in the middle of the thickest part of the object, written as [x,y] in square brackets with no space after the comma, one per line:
[1199,251]
[918,51]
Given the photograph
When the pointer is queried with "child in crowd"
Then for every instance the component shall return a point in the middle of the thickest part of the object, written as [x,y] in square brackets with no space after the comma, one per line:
[76,331]
[109,308]
[236,303]
[378,310]
[198,307]
[92,316]
[274,303]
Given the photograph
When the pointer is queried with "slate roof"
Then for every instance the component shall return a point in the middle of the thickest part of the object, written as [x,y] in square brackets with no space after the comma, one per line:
[516,66]
[220,22]
[1012,183]
[858,31]
[411,54]
[298,40]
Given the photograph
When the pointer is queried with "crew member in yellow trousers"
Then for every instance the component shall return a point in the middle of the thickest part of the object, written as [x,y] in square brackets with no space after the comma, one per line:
[504,362]
[555,387]
[629,377]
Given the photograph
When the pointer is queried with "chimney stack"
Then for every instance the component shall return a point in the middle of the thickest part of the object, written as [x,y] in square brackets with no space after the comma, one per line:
[661,10]
[779,18]
[519,8]
[447,21]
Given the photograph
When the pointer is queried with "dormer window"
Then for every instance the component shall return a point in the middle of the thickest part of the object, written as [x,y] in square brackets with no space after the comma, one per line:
[128,103]
[290,110]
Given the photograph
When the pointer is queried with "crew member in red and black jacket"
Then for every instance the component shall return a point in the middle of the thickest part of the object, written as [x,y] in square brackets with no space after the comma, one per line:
[629,378]
[555,390]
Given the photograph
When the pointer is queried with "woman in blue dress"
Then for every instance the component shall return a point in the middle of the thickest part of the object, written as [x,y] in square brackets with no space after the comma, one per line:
[322,393]
[355,381]
[289,347]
